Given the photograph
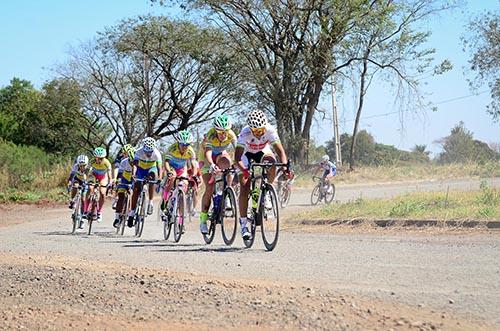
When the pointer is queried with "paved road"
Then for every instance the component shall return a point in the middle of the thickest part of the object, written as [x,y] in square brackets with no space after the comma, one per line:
[428,270]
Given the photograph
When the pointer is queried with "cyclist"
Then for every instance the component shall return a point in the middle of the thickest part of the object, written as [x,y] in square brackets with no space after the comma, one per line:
[77,177]
[215,158]
[122,154]
[253,144]
[147,164]
[100,173]
[125,177]
[176,161]
[329,169]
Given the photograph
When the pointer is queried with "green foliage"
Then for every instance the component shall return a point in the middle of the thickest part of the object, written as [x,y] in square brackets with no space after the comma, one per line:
[24,166]
[482,42]
[371,153]
[460,146]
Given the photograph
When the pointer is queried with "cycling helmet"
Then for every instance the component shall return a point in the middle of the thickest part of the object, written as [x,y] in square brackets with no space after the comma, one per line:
[126,148]
[184,137]
[256,119]
[325,158]
[222,122]
[131,153]
[149,144]
[82,160]
[99,152]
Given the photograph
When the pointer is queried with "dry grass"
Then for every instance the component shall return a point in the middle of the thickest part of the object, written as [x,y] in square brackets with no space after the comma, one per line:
[457,205]
[407,173]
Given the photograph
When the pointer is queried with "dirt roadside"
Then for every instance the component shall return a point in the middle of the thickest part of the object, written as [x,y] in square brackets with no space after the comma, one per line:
[55,292]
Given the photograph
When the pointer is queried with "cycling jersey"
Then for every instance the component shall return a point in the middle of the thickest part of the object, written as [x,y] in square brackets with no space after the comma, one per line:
[328,167]
[147,162]
[177,159]
[99,170]
[125,171]
[217,146]
[252,144]
[77,174]
[118,159]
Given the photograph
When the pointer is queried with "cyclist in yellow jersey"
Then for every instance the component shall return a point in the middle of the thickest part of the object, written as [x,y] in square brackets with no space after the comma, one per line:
[178,155]
[215,157]
[100,173]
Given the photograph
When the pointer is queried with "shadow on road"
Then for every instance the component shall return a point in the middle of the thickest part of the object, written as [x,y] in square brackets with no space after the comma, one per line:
[206,249]
[77,234]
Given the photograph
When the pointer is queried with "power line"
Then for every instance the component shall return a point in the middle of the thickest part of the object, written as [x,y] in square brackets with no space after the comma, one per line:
[409,110]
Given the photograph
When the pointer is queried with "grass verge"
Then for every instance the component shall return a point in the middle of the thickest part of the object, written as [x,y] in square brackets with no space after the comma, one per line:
[456,205]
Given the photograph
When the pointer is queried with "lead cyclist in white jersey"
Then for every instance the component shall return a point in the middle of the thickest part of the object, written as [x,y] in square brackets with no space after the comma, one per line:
[253,144]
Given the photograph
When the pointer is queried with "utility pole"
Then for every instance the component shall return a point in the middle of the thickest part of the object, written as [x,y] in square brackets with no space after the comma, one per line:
[336,137]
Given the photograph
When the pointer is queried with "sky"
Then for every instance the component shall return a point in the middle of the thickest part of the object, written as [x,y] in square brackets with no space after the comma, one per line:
[36,35]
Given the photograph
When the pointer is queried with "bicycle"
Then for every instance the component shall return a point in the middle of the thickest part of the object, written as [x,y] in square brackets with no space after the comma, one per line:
[284,191]
[125,210]
[93,204]
[224,210]
[192,186]
[140,209]
[322,191]
[262,214]
[76,216]
[175,211]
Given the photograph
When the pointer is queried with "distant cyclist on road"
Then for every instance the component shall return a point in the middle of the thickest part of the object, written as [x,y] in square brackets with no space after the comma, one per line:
[147,164]
[77,177]
[329,169]
[124,177]
[100,173]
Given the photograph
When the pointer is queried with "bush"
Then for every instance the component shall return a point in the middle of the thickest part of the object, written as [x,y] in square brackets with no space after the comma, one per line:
[28,167]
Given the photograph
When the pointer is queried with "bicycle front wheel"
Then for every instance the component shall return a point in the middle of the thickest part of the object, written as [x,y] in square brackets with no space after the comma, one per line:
[270,221]
[179,215]
[229,216]
[330,193]
[139,219]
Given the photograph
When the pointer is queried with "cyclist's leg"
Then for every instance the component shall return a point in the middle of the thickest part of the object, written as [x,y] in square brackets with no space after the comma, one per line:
[271,158]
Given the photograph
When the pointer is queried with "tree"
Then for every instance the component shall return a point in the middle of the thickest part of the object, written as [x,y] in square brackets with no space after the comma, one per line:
[150,76]
[388,43]
[18,111]
[483,42]
[460,146]
[288,53]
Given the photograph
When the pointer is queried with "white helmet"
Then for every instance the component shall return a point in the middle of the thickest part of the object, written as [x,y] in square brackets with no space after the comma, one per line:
[149,144]
[325,158]
[82,159]
[256,119]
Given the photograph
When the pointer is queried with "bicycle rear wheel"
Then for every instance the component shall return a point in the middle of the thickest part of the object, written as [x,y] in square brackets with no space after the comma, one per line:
[189,203]
[92,214]
[211,225]
[252,222]
[228,216]
[124,215]
[316,195]
[179,215]
[270,221]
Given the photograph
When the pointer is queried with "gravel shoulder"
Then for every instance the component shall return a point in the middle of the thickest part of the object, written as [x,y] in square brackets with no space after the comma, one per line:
[57,292]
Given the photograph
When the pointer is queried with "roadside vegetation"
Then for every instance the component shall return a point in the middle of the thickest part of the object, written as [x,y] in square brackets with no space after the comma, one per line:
[453,205]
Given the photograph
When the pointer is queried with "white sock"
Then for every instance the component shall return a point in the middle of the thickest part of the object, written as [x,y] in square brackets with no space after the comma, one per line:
[131,213]
[117,216]
[243,221]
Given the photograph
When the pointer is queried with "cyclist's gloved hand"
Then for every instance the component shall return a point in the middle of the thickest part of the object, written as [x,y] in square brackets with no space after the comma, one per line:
[213,168]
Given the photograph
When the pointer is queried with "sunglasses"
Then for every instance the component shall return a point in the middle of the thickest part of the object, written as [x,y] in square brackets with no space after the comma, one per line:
[258,131]
[221,131]
[184,145]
